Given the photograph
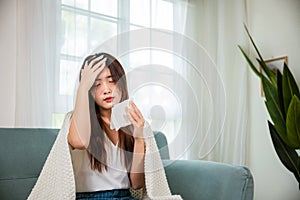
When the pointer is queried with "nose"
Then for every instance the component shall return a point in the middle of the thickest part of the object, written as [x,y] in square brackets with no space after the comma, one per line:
[106,88]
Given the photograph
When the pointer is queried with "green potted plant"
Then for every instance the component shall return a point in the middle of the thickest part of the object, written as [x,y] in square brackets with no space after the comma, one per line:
[282,102]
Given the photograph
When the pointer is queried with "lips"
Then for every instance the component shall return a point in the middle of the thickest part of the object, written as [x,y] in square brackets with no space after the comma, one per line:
[108,99]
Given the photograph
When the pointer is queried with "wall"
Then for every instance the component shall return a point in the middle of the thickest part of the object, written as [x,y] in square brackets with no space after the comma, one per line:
[275,27]
[8,61]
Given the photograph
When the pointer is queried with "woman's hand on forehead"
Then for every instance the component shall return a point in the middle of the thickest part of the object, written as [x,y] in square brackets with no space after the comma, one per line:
[90,71]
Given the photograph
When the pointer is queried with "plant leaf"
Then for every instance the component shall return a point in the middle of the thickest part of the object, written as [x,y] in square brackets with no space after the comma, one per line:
[250,62]
[293,123]
[280,93]
[270,74]
[273,106]
[252,41]
[289,87]
[287,155]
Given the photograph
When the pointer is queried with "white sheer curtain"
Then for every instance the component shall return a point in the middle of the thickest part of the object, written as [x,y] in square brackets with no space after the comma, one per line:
[202,108]
[219,29]
[36,60]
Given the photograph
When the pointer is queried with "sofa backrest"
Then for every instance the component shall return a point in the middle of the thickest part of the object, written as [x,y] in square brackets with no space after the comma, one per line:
[162,145]
[23,152]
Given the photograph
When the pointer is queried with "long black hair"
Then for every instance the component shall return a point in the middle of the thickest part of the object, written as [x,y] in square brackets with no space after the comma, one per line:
[96,148]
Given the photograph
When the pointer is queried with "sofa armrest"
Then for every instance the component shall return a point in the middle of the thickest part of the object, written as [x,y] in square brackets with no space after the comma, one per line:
[205,180]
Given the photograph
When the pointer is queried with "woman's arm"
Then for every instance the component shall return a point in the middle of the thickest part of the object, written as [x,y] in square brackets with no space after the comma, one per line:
[137,175]
[79,131]
[80,128]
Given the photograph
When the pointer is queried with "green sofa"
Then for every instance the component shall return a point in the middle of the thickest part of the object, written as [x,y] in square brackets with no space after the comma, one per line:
[24,151]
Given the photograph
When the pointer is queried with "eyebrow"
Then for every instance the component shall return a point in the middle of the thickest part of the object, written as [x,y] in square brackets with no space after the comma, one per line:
[99,79]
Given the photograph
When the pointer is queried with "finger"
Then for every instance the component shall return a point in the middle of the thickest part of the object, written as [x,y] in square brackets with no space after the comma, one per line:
[128,115]
[130,118]
[132,114]
[133,121]
[135,108]
[98,71]
[137,120]
[100,66]
[87,61]
[97,59]
[86,64]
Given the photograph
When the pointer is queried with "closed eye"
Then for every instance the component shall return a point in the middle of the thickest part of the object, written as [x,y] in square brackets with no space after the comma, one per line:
[97,84]
[110,79]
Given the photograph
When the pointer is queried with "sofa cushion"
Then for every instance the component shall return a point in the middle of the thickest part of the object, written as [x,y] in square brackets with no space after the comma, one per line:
[206,180]
[23,153]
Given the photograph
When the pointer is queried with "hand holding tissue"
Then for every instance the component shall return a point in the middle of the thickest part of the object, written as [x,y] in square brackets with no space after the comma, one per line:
[119,115]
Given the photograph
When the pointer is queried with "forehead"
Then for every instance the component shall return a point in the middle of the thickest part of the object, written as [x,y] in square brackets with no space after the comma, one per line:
[104,73]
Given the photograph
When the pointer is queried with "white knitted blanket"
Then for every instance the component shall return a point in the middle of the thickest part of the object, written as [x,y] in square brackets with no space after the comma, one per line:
[56,181]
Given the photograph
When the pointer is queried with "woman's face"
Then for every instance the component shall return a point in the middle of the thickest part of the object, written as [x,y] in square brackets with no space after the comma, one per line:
[106,91]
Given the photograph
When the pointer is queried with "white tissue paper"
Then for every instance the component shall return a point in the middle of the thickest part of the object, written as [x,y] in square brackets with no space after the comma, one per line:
[119,115]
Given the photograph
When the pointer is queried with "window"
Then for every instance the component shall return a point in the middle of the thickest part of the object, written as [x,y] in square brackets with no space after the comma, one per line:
[85,24]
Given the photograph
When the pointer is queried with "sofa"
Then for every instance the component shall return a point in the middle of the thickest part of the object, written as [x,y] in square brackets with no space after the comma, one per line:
[23,152]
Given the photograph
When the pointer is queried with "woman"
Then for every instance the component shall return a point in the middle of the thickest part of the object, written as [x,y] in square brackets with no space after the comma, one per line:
[89,160]
[103,77]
